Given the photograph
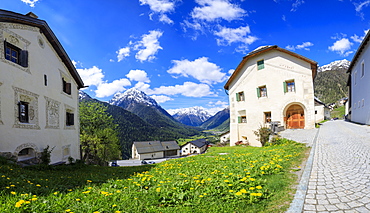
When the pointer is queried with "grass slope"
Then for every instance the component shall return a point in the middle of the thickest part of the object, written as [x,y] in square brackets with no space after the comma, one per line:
[229,179]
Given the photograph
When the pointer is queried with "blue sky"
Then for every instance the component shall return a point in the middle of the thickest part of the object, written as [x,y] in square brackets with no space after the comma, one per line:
[181,52]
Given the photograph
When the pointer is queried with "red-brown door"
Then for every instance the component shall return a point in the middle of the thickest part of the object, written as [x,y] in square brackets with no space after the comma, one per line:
[295,117]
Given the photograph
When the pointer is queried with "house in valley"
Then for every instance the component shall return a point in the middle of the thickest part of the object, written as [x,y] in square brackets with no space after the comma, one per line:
[271,84]
[225,137]
[322,112]
[359,84]
[38,92]
[154,149]
[194,147]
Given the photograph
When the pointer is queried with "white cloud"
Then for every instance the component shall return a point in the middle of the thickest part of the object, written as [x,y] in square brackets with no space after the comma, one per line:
[304,46]
[123,53]
[188,89]
[94,77]
[161,98]
[107,89]
[296,4]
[360,6]
[211,10]
[164,18]
[138,75]
[359,39]
[237,35]
[231,71]
[290,47]
[91,76]
[148,46]
[342,47]
[31,3]
[159,6]
[200,69]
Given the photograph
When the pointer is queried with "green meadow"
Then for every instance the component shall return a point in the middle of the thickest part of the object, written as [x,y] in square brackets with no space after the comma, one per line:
[225,179]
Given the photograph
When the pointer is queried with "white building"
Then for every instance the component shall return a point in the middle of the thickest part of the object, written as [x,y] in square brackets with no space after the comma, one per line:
[359,84]
[194,147]
[154,149]
[270,84]
[38,91]
[322,112]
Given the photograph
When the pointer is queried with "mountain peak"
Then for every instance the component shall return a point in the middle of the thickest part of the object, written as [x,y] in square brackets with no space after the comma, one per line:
[133,95]
[192,116]
[335,65]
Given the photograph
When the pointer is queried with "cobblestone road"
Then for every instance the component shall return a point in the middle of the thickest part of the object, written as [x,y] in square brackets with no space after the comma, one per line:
[339,175]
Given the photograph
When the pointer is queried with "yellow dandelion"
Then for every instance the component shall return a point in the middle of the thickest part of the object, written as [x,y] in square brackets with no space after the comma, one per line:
[86,192]
[34,199]
[243,191]
[231,190]
[158,189]
[258,187]
[78,199]
[251,188]
[68,210]
[226,181]
[114,205]
[200,195]
[55,193]
[238,193]
[13,193]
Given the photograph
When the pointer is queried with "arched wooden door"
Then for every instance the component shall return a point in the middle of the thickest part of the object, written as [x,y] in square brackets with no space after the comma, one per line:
[295,117]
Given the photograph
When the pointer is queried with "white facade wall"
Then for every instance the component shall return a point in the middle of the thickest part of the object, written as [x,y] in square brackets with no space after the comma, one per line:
[360,95]
[189,148]
[278,68]
[48,103]
[319,113]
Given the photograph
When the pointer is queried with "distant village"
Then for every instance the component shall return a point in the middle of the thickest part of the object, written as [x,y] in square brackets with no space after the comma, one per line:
[39,96]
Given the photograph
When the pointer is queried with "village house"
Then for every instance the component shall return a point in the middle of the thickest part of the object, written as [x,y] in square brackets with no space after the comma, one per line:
[145,150]
[225,137]
[358,82]
[38,92]
[194,147]
[322,112]
[271,84]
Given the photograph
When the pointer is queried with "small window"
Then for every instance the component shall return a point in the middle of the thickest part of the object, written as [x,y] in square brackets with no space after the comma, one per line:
[262,91]
[355,78]
[23,112]
[362,69]
[267,117]
[16,55]
[45,80]
[70,119]
[289,86]
[260,64]
[240,96]
[315,112]
[242,119]
[363,102]
[66,87]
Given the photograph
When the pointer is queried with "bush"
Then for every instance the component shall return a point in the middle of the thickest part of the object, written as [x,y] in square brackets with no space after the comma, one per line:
[45,155]
[263,134]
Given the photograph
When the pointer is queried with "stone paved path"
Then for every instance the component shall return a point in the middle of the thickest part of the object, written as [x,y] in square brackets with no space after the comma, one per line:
[339,176]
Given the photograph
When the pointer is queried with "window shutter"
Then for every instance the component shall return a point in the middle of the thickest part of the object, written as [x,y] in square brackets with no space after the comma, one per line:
[237,97]
[258,92]
[285,88]
[239,119]
[68,88]
[23,58]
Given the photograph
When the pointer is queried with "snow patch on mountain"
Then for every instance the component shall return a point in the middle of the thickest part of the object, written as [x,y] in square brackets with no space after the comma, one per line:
[132,95]
[197,111]
[335,65]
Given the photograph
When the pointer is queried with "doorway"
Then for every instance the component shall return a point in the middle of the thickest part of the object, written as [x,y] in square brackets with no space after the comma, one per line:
[295,117]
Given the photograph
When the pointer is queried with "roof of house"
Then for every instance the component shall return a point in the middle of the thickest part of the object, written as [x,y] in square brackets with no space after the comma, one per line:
[358,53]
[318,102]
[155,146]
[32,20]
[198,143]
[264,49]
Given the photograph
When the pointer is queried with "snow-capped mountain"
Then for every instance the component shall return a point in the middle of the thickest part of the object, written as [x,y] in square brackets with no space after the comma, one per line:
[145,107]
[132,96]
[192,116]
[83,96]
[335,65]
